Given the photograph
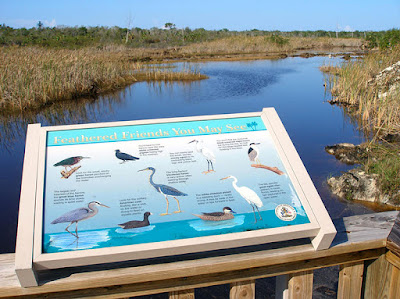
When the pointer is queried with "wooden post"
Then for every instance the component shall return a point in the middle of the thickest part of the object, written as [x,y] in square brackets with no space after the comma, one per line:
[350,280]
[185,294]
[377,278]
[295,286]
[23,251]
[243,290]
[300,285]
[393,258]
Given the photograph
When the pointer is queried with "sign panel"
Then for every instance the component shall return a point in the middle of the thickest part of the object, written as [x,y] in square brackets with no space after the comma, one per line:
[164,182]
[129,190]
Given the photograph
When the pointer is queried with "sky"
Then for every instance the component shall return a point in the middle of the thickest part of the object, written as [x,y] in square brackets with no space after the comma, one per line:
[284,15]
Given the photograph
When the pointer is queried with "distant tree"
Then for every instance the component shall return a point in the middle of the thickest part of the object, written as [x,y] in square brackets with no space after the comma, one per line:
[169,25]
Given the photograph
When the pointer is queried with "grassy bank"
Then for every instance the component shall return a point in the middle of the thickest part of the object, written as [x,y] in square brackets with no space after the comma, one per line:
[374,100]
[35,77]
[355,87]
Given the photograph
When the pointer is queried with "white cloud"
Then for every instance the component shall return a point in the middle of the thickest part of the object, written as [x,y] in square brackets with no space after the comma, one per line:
[347,28]
[51,23]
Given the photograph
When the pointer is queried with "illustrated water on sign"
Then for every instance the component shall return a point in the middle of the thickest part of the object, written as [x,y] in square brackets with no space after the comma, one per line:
[137,184]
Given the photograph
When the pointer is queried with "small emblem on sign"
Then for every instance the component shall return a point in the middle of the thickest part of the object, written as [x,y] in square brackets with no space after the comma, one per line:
[285,212]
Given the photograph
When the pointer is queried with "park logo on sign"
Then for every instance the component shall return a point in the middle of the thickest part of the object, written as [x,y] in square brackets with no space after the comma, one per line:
[285,212]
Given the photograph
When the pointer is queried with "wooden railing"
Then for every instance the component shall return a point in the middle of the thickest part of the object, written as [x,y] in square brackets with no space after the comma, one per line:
[366,248]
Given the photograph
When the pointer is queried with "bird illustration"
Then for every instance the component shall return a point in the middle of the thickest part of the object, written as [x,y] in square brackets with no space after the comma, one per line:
[249,195]
[137,223]
[79,215]
[253,153]
[70,161]
[124,157]
[165,190]
[217,216]
[207,153]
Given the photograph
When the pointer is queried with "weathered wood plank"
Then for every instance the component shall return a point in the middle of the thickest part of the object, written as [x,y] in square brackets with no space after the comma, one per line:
[393,242]
[185,294]
[393,259]
[350,280]
[377,279]
[243,290]
[394,291]
[351,245]
[300,285]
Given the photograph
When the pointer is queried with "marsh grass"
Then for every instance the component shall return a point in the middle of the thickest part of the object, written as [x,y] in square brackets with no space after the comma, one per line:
[270,44]
[384,160]
[376,113]
[378,116]
[36,77]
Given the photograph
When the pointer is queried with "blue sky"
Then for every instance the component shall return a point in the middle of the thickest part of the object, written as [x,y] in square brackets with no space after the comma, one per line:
[282,15]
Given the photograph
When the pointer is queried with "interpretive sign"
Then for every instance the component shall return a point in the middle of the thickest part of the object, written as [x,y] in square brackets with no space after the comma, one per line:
[129,190]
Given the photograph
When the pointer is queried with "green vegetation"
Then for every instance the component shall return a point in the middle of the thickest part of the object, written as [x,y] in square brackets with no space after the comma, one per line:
[75,37]
[383,39]
[384,160]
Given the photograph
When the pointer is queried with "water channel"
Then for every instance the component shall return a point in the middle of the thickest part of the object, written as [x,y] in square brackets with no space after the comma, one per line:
[293,86]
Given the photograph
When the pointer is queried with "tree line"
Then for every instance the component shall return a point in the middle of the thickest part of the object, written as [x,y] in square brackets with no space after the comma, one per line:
[170,35]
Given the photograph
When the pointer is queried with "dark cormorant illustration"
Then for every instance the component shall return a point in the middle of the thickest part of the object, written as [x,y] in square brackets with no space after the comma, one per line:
[137,223]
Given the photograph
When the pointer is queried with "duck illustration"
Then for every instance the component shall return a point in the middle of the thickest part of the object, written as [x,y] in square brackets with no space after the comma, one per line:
[137,223]
[217,216]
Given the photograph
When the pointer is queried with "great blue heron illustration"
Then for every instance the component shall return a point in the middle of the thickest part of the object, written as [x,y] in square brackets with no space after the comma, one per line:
[124,157]
[165,190]
[254,152]
[77,215]
[137,223]
[70,161]
[226,214]
[207,153]
[249,195]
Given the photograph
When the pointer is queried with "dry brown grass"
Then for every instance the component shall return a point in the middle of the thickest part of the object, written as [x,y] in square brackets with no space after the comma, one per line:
[262,44]
[381,114]
[36,77]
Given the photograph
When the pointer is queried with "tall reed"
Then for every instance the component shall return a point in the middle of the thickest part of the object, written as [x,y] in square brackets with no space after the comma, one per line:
[376,111]
[35,77]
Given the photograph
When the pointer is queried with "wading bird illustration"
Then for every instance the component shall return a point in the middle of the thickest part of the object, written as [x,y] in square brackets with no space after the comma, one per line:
[165,190]
[70,161]
[207,153]
[77,215]
[253,152]
[124,157]
[137,223]
[226,214]
[249,195]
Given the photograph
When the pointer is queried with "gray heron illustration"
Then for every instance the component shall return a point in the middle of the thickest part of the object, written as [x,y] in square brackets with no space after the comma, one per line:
[77,215]
[70,161]
[248,194]
[124,157]
[254,152]
[165,190]
[207,153]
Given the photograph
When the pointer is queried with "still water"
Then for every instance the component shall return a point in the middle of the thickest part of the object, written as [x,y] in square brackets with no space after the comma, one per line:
[293,86]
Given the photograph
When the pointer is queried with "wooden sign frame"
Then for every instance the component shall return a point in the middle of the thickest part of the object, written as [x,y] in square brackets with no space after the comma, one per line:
[29,249]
